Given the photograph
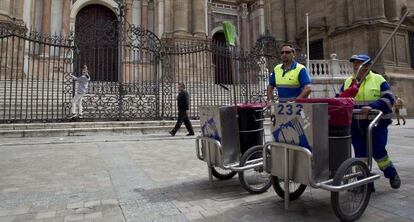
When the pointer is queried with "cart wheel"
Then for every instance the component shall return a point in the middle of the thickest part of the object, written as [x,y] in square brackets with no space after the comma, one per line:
[295,189]
[222,174]
[349,205]
[254,180]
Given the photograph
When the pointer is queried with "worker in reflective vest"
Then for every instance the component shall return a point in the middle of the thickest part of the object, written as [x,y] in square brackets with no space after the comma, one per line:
[290,78]
[373,92]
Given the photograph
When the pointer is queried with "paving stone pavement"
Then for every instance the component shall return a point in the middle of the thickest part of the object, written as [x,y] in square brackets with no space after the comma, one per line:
[158,178]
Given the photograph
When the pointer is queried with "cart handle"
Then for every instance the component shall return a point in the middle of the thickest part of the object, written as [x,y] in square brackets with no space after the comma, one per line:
[372,124]
[291,147]
[262,111]
[210,141]
[258,162]
[326,185]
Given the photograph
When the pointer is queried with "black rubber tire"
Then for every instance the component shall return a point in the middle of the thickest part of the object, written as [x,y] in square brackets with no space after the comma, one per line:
[224,174]
[253,153]
[335,196]
[293,195]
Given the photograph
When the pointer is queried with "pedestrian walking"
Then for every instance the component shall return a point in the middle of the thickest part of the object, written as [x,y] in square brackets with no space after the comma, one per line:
[82,88]
[183,103]
[398,109]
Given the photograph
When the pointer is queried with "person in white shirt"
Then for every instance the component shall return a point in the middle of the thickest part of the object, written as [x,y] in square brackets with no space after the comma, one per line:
[83,82]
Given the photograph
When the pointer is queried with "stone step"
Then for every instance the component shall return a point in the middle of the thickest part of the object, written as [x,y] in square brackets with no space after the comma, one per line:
[68,125]
[110,131]
[93,128]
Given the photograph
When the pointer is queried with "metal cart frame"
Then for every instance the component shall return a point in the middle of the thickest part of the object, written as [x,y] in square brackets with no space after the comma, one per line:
[327,184]
[214,157]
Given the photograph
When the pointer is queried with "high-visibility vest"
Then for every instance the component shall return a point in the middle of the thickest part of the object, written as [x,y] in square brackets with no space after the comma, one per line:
[369,91]
[290,79]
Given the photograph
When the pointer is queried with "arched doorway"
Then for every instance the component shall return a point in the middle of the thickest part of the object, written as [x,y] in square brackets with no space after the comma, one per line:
[96,36]
[222,72]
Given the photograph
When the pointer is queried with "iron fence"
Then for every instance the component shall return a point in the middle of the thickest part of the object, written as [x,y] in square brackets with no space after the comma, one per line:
[134,75]
[34,71]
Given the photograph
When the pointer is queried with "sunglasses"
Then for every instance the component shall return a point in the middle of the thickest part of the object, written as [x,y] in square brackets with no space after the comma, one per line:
[285,52]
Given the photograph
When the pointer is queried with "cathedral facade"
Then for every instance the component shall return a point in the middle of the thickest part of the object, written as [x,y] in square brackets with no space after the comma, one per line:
[337,29]
[344,27]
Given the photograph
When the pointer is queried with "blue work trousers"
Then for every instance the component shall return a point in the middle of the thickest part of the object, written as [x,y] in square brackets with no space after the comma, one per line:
[379,142]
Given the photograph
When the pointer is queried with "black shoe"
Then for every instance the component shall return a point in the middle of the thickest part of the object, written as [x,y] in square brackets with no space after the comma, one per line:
[190,134]
[397,124]
[395,182]
[371,187]
[73,116]
[172,133]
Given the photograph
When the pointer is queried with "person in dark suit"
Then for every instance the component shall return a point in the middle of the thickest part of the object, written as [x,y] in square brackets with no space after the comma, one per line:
[183,103]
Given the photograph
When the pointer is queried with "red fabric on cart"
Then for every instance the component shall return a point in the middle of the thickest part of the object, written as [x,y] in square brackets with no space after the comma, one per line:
[339,109]
[351,91]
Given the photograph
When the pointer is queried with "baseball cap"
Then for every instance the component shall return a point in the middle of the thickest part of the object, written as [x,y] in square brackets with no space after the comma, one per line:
[360,57]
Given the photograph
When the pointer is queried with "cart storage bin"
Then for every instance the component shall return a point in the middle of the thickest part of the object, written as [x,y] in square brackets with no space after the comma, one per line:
[220,123]
[250,125]
[340,120]
[305,125]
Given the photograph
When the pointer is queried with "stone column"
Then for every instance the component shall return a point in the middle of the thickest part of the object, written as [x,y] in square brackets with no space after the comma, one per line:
[209,15]
[377,9]
[144,14]
[168,16]
[154,7]
[18,9]
[244,14]
[65,17]
[136,13]
[198,17]
[268,15]
[290,15]
[261,17]
[129,11]
[160,17]
[278,20]
[350,12]
[341,12]
[392,11]
[360,10]
[27,12]
[5,7]
[47,7]
[180,16]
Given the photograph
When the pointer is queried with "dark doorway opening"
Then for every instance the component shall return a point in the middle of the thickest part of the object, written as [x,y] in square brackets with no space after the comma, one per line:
[96,36]
[316,50]
[221,60]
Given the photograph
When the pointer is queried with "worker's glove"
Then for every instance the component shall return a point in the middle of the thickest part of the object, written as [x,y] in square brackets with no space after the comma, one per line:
[352,90]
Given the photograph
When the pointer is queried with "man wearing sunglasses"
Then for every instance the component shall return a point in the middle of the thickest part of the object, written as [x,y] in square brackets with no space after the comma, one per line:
[291,79]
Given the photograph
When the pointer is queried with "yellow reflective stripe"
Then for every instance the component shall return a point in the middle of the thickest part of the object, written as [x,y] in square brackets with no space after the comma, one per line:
[384,116]
[384,162]
[288,86]
[287,99]
[386,92]
[387,116]
[364,103]
[387,101]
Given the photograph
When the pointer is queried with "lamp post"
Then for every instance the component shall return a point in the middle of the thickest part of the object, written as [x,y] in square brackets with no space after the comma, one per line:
[121,9]
[120,24]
